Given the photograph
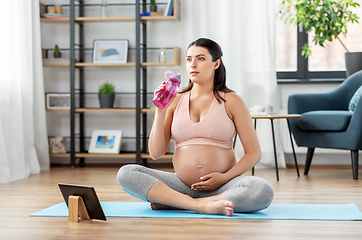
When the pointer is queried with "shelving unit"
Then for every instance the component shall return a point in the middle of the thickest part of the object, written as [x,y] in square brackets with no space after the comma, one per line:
[78,106]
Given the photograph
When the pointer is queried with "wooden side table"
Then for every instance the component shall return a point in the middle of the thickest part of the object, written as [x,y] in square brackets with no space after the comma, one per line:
[271,117]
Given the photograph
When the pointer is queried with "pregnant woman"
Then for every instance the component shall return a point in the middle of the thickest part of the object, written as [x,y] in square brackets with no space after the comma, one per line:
[202,119]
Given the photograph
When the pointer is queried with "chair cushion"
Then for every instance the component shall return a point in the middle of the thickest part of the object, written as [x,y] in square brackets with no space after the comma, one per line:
[323,120]
[354,100]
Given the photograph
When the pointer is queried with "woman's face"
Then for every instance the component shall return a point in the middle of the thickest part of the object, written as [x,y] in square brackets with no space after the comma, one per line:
[200,66]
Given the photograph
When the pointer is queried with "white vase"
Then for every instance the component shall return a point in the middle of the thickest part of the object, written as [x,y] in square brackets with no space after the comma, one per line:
[104,9]
[162,57]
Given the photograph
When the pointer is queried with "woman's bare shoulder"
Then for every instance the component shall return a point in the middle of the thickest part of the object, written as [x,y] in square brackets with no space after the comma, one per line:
[234,104]
[233,98]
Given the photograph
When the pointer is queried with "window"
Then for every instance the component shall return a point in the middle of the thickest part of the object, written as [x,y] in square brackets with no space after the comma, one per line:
[324,63]
[286,45]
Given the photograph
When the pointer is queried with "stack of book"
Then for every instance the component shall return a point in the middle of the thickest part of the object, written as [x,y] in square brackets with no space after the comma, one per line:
[54,15]
[151,14]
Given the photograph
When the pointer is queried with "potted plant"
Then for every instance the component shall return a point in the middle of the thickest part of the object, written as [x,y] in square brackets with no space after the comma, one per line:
[153,6]
[328,20]
[106,95]
[57,53]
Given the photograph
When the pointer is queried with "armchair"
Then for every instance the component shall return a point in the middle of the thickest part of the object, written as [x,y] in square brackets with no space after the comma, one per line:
[327,122]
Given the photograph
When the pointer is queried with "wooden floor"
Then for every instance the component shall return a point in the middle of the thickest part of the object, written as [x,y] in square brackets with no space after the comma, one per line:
[323,185]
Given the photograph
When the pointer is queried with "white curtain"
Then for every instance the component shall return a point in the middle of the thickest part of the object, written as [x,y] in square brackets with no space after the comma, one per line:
[245,31]
[23,136]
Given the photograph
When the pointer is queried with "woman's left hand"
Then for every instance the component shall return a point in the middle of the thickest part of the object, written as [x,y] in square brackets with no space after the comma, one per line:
[210,181]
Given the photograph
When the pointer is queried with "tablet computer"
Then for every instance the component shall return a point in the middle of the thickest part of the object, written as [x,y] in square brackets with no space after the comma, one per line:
[89,196]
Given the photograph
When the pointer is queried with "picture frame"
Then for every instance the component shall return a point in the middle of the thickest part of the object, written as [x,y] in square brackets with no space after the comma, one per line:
[105,141]
[110,51]
[56,101]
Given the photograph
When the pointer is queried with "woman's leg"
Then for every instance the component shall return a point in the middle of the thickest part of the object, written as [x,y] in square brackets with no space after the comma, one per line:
[247,193]
[167,189]
[161,193]
[137,180]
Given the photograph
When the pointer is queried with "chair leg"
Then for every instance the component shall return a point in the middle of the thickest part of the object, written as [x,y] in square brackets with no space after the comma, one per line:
[354,157]
[308,160]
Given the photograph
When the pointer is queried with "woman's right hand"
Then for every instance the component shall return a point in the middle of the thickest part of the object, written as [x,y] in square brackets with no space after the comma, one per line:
[159,88]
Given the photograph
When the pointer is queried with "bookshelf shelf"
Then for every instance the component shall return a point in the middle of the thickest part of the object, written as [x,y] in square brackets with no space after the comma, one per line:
[102,155]
[166,156]
[59,155]
[105,110]
[60,19]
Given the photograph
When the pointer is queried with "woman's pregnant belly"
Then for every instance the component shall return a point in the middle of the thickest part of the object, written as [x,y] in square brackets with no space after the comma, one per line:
[194,161]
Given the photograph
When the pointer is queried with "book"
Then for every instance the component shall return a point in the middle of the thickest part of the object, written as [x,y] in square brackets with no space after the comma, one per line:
[53,15]
[168,7]
[170,10]
[151,14]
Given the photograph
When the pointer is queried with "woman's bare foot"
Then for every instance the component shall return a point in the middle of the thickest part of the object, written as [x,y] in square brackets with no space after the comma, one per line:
[159,206]
[212,198]
[209,206]
[220,207]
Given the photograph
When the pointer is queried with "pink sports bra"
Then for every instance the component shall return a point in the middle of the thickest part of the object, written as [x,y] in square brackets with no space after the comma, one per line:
[216,128]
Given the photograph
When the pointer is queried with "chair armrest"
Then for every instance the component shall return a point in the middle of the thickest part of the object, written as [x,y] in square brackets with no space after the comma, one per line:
[356,119]
[300,103]
[355,127]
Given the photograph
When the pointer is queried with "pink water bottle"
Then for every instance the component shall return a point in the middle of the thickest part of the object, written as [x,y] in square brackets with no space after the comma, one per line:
[163,97]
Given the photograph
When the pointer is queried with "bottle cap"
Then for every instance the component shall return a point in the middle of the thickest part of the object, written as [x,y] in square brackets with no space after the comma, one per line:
[175,76]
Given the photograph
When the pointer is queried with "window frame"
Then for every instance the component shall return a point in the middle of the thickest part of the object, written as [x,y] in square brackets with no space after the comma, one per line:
[303,74]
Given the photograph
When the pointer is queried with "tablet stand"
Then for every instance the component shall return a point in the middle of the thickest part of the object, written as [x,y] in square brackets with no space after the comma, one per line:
[77,209]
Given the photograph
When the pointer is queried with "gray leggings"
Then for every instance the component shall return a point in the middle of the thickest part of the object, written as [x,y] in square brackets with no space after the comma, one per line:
[247,193]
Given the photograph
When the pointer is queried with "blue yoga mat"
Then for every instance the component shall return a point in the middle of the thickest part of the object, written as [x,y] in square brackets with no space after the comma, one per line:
[323,212]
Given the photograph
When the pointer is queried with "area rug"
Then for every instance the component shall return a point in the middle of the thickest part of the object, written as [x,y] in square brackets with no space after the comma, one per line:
[322,212]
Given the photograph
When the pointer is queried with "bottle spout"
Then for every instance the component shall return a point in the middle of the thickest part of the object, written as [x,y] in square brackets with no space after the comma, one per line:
[177,77]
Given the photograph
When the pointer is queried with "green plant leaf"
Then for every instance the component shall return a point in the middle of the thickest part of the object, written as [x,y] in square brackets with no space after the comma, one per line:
[56,48]
[306,51]
[326,18]
[106,88]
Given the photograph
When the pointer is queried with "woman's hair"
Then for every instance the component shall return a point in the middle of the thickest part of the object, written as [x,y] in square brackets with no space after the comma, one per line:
[220,73]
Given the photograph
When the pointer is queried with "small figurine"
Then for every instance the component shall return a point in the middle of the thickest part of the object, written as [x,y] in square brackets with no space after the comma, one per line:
[56,145]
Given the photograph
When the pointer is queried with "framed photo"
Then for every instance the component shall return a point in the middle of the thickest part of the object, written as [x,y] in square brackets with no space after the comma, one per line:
[58,101]
[110,51]
[105,141]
